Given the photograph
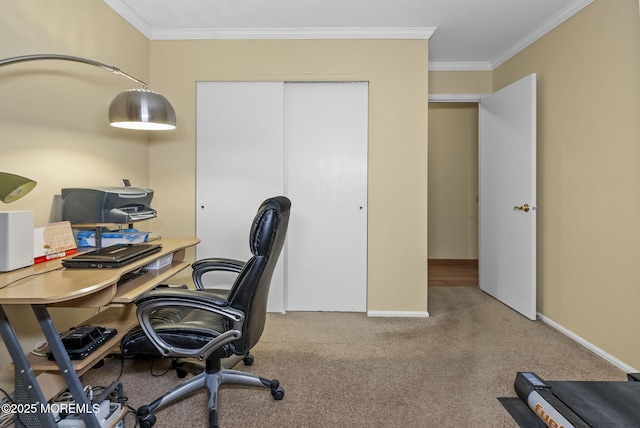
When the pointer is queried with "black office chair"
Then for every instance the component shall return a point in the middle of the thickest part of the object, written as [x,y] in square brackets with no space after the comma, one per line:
[213,325]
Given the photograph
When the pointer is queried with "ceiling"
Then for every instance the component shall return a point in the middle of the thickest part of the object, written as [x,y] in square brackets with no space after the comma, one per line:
[463,34]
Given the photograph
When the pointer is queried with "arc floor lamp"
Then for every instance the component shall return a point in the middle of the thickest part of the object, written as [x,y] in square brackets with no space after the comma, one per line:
[139,109]
[133,109]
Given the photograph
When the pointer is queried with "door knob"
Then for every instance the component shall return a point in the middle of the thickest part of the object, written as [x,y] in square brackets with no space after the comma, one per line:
[524,208]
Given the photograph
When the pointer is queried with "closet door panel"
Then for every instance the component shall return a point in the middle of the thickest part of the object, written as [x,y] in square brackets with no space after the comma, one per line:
[308,142]
[326,178]
[239,163]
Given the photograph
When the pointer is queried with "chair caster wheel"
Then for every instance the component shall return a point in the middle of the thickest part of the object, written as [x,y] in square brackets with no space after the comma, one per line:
[98,364]
[175,364]
[278,393]
[145,424]
[248,360]
[146,419]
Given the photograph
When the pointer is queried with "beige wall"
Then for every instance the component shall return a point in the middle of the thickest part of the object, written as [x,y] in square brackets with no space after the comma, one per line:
[397,169]
[453,181]
[460,82]
[53,115]
[588,173]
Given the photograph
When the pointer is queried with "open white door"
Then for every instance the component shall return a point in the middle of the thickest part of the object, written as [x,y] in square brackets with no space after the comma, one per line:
[507,195]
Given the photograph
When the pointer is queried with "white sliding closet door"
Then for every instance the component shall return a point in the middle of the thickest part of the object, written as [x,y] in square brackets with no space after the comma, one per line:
[239,161]
[305,141]
[326,179]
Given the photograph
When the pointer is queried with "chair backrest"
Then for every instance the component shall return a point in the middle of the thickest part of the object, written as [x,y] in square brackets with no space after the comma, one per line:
[250,290]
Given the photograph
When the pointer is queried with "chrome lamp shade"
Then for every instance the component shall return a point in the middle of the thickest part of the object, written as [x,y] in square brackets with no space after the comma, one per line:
[13,187]
[141,109]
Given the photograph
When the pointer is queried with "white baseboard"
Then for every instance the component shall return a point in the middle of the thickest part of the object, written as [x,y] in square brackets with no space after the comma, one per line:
[593,348]
[398,314]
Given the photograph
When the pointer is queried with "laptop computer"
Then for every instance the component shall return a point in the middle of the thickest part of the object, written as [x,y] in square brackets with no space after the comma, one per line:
[113,256]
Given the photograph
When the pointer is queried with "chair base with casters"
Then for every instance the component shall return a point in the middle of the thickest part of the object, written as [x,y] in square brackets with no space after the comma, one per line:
[211,379]
[184,367]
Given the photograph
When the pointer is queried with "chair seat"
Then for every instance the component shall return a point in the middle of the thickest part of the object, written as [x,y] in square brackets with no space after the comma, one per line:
[180,327]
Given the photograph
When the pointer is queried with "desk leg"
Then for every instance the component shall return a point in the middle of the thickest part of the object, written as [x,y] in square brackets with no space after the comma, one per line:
[66,367]
[27,391]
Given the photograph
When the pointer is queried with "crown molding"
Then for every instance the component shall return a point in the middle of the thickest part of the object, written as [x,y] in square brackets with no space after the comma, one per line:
[551,23]
[544,28]
[123,9]
[460,66]
[422,33]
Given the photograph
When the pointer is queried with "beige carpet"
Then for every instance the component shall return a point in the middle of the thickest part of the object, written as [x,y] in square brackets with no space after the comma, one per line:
[348,370]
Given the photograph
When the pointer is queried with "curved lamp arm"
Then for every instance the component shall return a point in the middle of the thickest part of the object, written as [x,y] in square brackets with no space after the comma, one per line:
[25,58]
[132,109]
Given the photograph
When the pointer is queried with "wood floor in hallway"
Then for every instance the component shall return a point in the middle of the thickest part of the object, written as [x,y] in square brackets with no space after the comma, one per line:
[453,272]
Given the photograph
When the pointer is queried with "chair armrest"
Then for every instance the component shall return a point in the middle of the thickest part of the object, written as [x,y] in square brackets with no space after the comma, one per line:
[225,264]
[195,299]
[200,267]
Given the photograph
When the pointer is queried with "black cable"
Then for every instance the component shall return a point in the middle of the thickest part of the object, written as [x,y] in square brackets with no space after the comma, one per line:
[17,415]
[121,367]
[122,399]
[134,413]
[161,374]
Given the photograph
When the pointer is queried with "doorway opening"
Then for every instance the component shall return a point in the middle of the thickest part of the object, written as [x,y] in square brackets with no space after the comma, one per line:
[453,194]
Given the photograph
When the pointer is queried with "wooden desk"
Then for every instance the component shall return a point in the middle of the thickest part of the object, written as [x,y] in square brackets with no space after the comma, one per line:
[50,285]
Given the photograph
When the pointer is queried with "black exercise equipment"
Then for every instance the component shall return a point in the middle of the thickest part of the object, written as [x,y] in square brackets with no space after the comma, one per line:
[576,404]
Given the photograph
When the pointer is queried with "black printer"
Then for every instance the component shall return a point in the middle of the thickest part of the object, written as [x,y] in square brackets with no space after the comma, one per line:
[107,205]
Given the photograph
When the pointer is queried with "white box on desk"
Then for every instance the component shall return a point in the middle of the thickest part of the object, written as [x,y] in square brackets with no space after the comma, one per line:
[16,240]
[160,263]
